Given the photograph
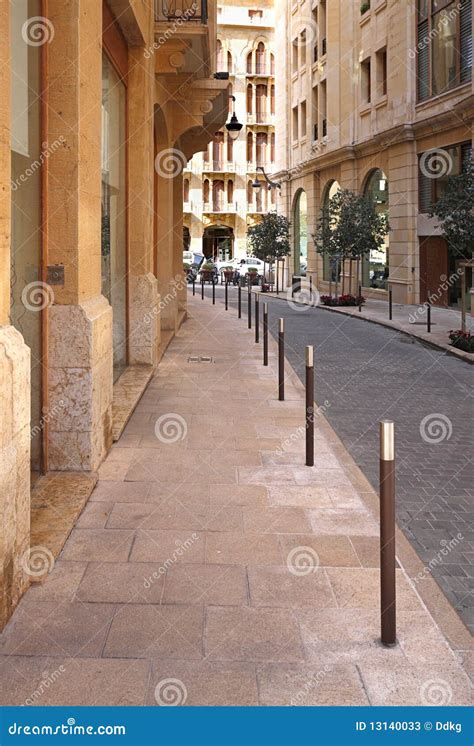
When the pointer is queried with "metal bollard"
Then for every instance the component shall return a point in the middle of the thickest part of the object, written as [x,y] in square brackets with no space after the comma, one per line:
[428,313]
[311,288]
[390,304]
[360,296]
[309,406]
[240,300]
[265,333]
[249,307]
[387,534]
[226,295]
[194,286]
[257,317]
[281,360]
[202,289]
[213,293]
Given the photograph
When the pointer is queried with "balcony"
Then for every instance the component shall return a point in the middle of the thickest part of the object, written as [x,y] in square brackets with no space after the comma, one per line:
[253,165]
[261,118]
[219,206]
[181,11]
[219,166]
[263,71]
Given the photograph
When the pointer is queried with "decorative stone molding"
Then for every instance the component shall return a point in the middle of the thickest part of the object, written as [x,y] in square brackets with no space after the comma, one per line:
[80,379]
[144,320]
[15,442]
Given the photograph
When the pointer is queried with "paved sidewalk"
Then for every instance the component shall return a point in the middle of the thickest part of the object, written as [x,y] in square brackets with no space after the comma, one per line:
[410,319]
[211,567]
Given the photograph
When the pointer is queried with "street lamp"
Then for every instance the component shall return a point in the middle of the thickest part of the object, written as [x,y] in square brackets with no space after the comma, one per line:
[234,126]
[257,184]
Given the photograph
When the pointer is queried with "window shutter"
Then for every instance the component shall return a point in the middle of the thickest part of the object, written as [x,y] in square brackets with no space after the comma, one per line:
[424,192]
[466,40]
[423,62]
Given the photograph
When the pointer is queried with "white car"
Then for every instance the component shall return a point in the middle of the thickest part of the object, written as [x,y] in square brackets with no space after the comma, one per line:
[250,262]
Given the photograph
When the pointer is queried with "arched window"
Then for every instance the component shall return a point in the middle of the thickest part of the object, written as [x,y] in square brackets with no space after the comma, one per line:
[220,56]
[272,147]
[272,64]
[218,150]
[230,192]
[300,228]
[229,63]
[250,99]
[261,148]
[261,96]
[331,268]
[260,59]
[186,190]
[231,103]
[249,63]
[249,147]
[375,266]
[249,194]
[218,195]
[205,191]
[272,99]
[230,149]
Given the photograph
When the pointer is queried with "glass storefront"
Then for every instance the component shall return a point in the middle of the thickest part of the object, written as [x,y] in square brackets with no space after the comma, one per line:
[28,296]
[375,267]
[114,205]
[301,234]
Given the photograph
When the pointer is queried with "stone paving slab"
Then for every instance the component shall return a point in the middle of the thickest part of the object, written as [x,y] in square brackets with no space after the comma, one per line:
[203,559]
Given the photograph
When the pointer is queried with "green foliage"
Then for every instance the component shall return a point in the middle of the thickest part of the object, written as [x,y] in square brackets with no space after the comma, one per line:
[270,238]
[455,213]
[350,227]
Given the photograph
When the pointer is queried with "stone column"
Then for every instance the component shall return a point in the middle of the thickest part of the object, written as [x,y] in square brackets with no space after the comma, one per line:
[179,278]
[14,382]
[144,310]
[164,208]
[403,200]
[80,321]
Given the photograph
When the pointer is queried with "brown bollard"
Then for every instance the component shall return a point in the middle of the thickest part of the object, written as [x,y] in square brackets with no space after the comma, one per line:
[213,292]
[281,360]
[309,406]
[257,317]
[202,289]
[390,304]
[226,295]
[249,307]
[428,313]
[265,333]
[360,296]
[387,534]
[240,300]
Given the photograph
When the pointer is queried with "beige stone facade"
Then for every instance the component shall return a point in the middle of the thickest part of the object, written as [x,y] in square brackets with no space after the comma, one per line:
[90,224]
[376,97]
[219,202]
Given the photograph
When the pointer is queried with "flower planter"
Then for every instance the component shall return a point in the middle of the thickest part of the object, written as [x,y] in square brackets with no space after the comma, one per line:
[342,300]
[462,340]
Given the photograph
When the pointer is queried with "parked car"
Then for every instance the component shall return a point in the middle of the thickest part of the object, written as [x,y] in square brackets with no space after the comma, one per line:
[251,262]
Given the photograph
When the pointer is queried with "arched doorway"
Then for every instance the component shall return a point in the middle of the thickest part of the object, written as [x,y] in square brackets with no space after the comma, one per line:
[300,235]
[218,242]
[375,266]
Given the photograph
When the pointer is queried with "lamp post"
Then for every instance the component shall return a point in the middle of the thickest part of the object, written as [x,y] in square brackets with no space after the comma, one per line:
[257,184]
[234,126]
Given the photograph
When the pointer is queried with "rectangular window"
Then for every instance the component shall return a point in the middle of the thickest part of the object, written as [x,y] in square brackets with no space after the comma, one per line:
[444,45]
[303,119]
[451,161]
[381,72]
[295,123]
[303,48]
[365,81]
[315,114]
[323,104]
[294,64]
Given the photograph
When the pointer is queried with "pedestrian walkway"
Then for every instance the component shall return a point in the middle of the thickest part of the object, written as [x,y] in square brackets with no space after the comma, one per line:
[410,319]
[211,567]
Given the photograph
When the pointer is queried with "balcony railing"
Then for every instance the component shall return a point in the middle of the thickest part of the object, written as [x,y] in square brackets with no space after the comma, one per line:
[181,11]
[219,166]
[219,206]
[263,117]
[264,70]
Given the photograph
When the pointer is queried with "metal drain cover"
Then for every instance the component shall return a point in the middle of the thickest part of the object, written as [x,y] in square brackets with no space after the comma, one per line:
[200,359]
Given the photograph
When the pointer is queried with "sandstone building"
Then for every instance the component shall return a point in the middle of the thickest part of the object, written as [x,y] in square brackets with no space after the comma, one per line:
[376,97]
[219,201]
[102,106]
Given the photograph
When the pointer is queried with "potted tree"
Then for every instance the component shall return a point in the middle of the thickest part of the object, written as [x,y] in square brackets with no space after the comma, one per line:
[228,273]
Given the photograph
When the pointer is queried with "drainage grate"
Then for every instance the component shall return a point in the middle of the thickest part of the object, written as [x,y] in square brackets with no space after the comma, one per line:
[200,359]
